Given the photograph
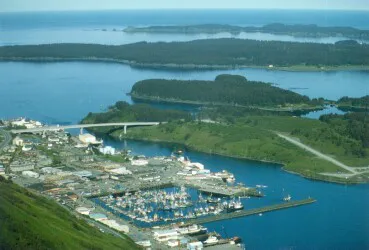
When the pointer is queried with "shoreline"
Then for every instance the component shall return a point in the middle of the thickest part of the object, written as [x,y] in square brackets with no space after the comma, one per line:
[187,102]
[295,68]
[316,177]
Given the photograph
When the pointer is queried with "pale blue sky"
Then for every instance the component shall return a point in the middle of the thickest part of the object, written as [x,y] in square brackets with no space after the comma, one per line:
[46,5]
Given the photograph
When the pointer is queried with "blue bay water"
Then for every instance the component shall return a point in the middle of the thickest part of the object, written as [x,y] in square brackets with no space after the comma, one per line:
[86,27]
[60,93]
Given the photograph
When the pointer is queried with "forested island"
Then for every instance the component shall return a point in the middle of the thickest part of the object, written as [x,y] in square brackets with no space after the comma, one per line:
[207,54]
[29,221]
[297,30]
[230,90]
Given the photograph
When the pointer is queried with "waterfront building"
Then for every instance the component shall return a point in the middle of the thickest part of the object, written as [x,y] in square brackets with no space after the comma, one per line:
[30,174]
[197,245]
[98,216]
[108,150]
[17,141]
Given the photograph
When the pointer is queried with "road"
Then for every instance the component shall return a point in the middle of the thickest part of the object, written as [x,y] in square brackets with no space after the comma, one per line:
[6,140]
[317,153]
[119,124]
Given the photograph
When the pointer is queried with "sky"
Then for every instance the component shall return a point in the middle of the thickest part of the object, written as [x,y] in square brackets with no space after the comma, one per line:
[55,5]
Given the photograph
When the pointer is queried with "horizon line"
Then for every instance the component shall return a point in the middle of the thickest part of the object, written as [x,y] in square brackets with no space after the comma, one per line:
[164,9]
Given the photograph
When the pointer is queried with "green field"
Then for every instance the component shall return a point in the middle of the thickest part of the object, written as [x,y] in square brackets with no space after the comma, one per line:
[29,221]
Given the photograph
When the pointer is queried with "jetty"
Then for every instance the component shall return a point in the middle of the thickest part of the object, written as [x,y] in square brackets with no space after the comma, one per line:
[249,212]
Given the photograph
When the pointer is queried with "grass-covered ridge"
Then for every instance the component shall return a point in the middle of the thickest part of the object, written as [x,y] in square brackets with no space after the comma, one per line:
[29,221]
[230,90]
[208,53]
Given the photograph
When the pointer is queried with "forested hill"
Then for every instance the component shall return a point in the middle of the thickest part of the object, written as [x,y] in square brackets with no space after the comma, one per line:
[301,30]
[201,53]
[226,89]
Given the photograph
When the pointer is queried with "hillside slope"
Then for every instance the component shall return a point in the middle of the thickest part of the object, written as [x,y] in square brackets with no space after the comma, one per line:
[28,221]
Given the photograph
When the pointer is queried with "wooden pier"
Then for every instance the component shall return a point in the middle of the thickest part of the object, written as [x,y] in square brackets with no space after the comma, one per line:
[249,212]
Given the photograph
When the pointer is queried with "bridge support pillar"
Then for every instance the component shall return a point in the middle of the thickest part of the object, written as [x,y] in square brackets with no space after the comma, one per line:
[125,129]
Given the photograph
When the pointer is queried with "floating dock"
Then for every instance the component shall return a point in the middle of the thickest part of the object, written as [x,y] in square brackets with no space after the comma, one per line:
[249,212]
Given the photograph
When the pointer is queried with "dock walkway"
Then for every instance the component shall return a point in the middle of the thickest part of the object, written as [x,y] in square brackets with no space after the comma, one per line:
[249,212]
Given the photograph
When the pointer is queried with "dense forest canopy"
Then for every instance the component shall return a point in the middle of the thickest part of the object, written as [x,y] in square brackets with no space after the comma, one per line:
[124,112]
[226,89]
[210,52]
[354,125]
[307,30]
[354,102]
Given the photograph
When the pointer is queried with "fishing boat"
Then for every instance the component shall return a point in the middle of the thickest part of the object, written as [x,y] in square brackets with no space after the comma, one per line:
[234,206]
[210,199]
[196,229]
[211,240]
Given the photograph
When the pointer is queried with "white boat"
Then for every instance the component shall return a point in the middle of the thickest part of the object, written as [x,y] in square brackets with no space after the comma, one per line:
[287,198]
[211,240]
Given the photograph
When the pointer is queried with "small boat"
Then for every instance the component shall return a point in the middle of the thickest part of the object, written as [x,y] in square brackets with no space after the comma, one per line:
[287,198]
[211,240]
[213,200]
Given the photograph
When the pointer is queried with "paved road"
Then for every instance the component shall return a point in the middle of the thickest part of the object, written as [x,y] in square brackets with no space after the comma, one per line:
[6,140]
[319,154]
[120,124]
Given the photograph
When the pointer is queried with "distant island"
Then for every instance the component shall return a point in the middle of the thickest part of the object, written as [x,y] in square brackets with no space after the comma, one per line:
[229,90]
[296,30]
[204,54]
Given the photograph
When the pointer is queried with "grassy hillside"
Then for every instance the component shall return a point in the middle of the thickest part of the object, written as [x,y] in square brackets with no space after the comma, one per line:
[28,221]
[238,141]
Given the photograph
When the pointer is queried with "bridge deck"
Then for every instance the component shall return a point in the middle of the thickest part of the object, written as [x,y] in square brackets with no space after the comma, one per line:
[116,124]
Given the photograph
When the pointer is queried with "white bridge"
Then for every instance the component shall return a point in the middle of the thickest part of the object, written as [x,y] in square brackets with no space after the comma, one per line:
[80,126]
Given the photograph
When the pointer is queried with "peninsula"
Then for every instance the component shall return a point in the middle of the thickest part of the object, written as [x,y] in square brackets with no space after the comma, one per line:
[296,30]
[261,135]
[205,54]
